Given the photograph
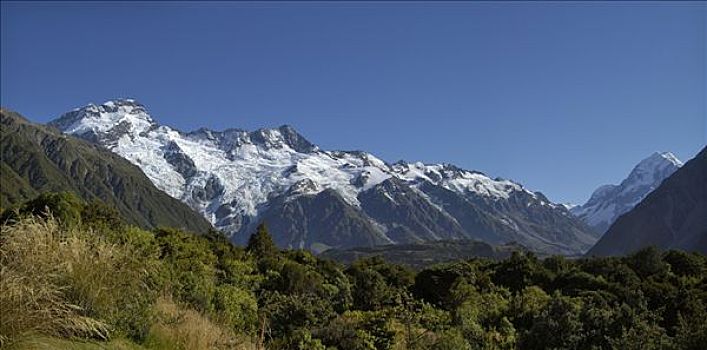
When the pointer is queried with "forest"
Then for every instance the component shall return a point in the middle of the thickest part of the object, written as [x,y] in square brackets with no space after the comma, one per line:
[75,275]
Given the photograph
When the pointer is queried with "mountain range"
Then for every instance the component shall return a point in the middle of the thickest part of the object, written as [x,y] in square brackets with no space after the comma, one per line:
[35,158]
[319,199]
[349,203]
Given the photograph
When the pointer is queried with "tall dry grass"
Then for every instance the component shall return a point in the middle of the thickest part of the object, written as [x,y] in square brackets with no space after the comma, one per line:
[32,291]
[76,286]
[65,282]
[182,328]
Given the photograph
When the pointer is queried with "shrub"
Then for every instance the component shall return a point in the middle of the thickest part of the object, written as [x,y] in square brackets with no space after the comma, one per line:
[451,340]
[190,267]
[65,207]
[237,308]
[359,330]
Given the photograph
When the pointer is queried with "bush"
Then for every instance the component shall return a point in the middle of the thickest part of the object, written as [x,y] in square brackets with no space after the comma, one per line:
[300,339]
[359,330]
[237,308]
[451,340]
[190,267]
[65,207]
[557,327]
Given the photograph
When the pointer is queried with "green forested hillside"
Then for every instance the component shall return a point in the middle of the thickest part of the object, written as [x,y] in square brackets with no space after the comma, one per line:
[35,159]
[83,280]
[418,255]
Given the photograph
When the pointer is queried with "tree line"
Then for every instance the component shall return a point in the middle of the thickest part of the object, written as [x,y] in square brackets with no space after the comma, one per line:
[150,289]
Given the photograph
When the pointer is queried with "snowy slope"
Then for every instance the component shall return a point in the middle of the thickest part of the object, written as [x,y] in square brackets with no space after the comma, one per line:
[232,176]
[609,202]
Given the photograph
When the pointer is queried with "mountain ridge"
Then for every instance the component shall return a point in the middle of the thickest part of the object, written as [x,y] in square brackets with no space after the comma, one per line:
[234,176]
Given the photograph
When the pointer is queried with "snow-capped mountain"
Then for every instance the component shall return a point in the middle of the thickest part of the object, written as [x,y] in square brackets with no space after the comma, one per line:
[608,202]
[673,216]
[317,199]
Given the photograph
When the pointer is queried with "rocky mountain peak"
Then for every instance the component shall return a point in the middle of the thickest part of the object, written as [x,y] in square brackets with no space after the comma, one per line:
[654,168]
[608,202]
[284,135]
[106,122]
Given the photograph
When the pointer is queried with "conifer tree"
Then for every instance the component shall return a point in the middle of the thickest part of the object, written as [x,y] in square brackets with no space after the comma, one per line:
[260,243]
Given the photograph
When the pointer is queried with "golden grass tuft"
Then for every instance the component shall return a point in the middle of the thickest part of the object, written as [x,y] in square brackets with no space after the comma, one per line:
[33,262]
[180,328]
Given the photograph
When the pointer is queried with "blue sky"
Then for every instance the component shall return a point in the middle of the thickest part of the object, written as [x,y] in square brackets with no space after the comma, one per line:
[562,97]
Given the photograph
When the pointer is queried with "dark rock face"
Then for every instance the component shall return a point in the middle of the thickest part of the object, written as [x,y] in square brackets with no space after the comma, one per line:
[295,140]
[180,161]
[285,135]
[319,222]
[672,216]
[521,218]
[476,223]
[408,216]
[212,189]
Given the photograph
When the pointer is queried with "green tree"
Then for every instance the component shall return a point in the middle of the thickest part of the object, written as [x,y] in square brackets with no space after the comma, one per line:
[647,262]
[557,327]
[685,264]
[260,243]
[377,283]
[692,329]
[527,305]
[434,284]
[520,271]
[370,292]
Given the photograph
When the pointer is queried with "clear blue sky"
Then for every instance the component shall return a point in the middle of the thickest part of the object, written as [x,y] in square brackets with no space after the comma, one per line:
[562,97]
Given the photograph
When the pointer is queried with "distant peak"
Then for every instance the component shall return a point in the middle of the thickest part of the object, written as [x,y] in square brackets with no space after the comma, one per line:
[659,160]
[608,202]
